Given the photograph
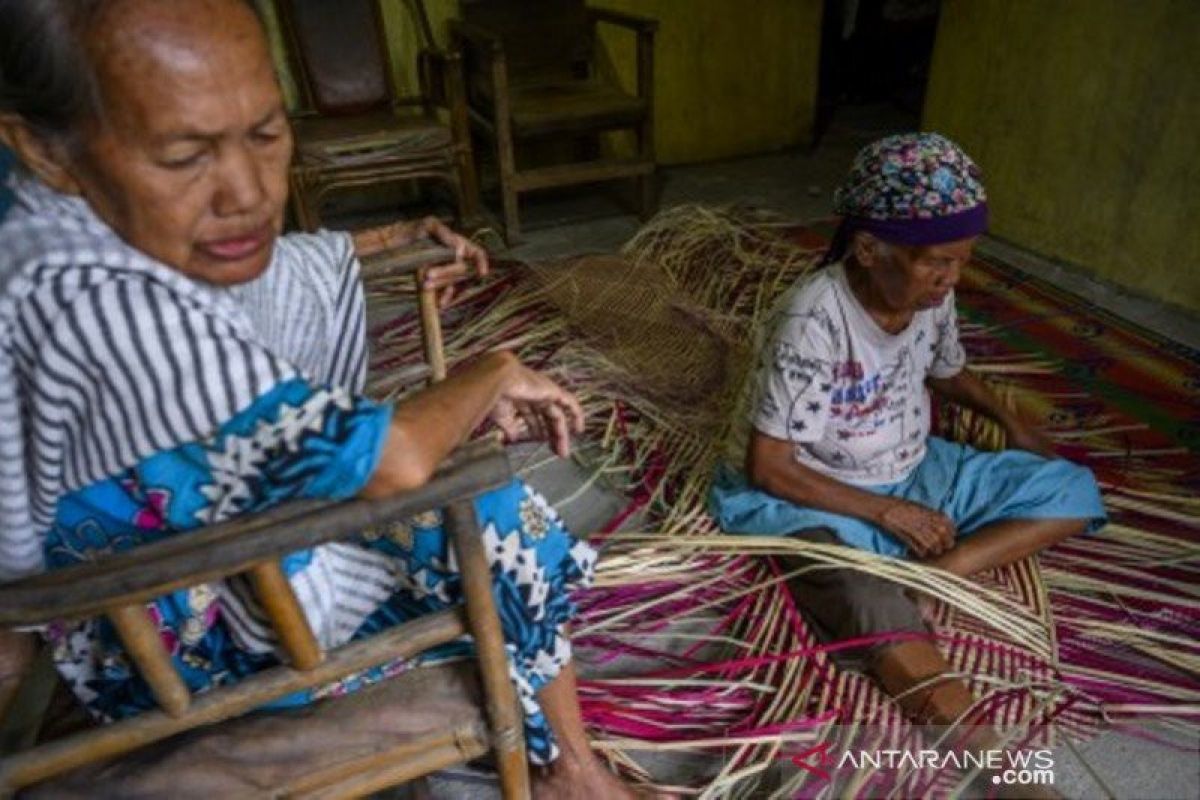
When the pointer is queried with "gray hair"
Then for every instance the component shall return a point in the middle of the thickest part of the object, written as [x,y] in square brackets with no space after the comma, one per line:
[45,77]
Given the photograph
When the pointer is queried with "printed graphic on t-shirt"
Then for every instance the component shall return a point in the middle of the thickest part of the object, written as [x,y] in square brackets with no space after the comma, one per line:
[849,396]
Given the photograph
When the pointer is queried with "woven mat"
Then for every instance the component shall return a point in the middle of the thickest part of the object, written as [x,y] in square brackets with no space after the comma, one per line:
[1098,632]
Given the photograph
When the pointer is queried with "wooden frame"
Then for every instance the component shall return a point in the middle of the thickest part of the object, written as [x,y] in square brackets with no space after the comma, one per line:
[496,124]
[440,80]
[119,587]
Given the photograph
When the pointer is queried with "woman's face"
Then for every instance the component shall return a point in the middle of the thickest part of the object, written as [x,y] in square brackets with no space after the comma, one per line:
[188,162]
[919,278]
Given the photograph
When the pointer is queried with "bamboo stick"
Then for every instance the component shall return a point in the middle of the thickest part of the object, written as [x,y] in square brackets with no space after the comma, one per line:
[431,331]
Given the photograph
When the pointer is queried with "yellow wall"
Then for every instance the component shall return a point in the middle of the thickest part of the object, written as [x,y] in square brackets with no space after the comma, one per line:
[1085,117]
[731,77]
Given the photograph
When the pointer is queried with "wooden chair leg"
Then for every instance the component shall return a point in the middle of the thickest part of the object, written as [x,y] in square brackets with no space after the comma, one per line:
[512,217]
[140,636]
[508,193]
[506,161]
[454,86]
[469,180]
[279,601]
[484,623]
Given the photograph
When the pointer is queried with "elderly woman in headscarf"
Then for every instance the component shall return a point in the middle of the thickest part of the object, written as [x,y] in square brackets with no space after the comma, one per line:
[169,360]
[841,451]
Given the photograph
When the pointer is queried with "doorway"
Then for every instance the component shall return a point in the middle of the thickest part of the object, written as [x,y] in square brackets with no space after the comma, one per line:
[874,62]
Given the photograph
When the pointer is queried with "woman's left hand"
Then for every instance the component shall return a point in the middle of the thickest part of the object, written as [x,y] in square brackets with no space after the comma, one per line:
[469,258]
[1026,437]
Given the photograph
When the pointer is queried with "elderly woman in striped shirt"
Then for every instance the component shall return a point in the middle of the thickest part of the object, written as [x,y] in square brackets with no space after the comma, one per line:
[169,360]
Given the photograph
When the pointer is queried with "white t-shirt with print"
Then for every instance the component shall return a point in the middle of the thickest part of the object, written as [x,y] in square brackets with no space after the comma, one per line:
[849,395]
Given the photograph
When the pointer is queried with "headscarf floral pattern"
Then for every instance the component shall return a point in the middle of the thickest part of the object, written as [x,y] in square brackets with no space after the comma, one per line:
[910,176]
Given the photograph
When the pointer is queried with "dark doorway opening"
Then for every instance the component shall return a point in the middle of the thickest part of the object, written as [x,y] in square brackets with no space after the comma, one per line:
[875,53]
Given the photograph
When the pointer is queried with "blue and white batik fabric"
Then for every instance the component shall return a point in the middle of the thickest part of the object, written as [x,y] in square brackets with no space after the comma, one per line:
[145,404]
[297,442]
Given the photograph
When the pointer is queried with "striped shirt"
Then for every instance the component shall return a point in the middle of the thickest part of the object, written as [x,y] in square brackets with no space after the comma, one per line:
[107,357]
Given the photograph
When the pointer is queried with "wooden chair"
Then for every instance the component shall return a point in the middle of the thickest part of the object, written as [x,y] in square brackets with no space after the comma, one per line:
[215,743]
[532,74]
[355,129]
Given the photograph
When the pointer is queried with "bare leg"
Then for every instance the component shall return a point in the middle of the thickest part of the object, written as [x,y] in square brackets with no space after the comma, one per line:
[577,773]
[17,653]
[904,666]
[1005,542]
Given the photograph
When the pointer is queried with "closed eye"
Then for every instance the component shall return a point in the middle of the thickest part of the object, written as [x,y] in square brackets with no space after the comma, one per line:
[271,128]
[185,161]
[266,135]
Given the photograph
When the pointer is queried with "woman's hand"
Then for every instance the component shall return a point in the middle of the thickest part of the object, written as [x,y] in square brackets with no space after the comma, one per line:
[929,533]
[468,257]
[532,407]
[1025,437]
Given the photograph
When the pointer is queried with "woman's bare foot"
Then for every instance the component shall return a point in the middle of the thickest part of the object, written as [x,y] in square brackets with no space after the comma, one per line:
[574,778]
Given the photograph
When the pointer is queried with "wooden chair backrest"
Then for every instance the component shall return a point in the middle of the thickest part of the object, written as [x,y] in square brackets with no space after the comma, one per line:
[543,40]
[339,49]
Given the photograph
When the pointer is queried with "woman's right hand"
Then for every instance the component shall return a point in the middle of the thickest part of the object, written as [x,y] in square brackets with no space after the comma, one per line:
[927,532]
[532,407]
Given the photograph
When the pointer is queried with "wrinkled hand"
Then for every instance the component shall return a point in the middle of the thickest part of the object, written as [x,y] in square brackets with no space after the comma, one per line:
[534,408]
[468,257]
[1025,437]
[929,533]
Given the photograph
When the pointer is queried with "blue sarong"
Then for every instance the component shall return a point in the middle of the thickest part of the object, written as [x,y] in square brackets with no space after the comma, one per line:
[971,487]
[300,441]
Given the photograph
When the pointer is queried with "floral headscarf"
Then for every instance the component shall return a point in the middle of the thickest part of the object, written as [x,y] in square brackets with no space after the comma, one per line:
[911,188]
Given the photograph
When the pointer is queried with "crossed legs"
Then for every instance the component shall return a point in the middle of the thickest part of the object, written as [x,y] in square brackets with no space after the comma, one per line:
[844,604]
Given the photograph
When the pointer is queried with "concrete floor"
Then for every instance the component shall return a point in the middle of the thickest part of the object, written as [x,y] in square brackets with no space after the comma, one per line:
[798,184]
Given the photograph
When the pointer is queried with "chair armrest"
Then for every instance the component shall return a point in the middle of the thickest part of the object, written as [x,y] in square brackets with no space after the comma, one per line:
[405,260]
[477,37]
[215,552]
[623,20]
